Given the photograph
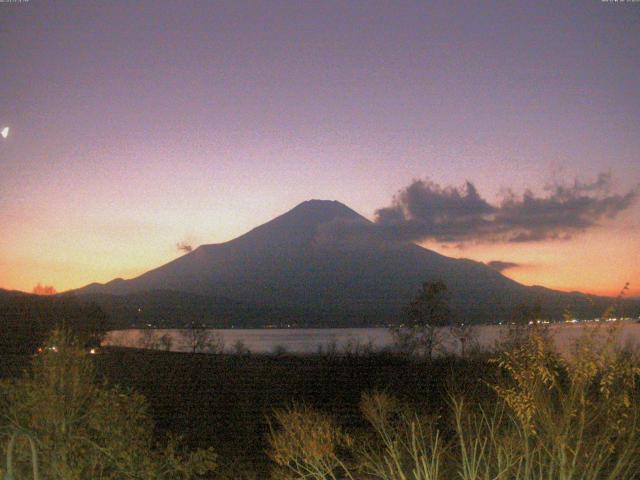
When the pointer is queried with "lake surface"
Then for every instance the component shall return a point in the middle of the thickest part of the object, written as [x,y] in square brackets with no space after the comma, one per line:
[311,340]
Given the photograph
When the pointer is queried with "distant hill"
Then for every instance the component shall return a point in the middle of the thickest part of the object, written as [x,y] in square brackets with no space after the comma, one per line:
[289,270]
[174,309]
[26,320]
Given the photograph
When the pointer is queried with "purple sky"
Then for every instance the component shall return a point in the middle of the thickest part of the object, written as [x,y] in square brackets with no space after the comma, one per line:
[136,125]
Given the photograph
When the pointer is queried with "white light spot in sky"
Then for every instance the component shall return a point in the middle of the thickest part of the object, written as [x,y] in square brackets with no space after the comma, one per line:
[5,132]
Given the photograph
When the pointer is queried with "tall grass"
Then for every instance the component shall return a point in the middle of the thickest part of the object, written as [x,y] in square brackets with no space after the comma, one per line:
[307,445]
[403,446]
[549,418]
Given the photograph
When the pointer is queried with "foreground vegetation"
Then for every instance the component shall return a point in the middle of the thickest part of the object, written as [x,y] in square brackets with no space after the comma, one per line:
[79,428]
[529,414]
[550,418]
[522,413]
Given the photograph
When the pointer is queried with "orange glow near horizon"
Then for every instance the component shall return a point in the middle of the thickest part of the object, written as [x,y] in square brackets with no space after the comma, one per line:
[135,136]
[599,262]
[591,263]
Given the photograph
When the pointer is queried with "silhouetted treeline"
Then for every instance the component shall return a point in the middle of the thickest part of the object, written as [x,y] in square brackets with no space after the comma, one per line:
[173,309]
[26,321]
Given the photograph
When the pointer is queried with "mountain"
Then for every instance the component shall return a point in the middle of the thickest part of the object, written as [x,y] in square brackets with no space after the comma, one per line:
[294,268]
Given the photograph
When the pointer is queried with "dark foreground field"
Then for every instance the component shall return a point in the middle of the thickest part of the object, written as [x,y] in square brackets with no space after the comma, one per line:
[533,415]
[224,400]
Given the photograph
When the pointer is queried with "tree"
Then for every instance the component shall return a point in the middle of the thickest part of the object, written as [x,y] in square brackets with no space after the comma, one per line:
[82,428]
[26,321]
[90,325]
[197,338]
[166,341]
[148,339]
[427,312]
[466,336]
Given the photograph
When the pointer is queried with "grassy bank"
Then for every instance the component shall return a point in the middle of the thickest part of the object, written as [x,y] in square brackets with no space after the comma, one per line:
[527,414]
[224,401]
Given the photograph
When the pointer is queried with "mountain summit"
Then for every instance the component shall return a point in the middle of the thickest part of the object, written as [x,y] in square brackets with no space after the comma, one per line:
[313,213]
[283,265]
[299,226]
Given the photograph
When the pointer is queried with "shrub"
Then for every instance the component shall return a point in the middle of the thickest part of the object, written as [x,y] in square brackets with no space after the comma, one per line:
[85,429]
[306,443]
[199,339]
[575,418]
[552,417]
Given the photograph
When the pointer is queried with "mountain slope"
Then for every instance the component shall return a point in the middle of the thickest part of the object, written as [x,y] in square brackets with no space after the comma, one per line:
[292,264]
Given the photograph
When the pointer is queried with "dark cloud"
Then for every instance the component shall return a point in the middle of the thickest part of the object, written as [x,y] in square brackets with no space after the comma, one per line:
[184,246]
[426,211]
[40,289]
[502,266]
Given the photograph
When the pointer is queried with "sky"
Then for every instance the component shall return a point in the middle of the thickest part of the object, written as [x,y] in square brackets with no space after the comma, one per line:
[136,126]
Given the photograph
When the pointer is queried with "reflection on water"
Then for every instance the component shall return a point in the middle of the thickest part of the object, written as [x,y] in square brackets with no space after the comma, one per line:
[311,340]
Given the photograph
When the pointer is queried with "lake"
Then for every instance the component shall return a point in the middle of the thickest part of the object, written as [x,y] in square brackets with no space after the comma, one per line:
[311,340]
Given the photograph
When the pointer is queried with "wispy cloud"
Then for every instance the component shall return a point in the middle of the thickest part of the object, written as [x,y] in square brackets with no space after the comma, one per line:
[184,246]
[501,266]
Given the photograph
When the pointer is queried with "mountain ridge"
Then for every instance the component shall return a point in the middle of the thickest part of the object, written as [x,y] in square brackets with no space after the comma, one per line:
[291,263]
